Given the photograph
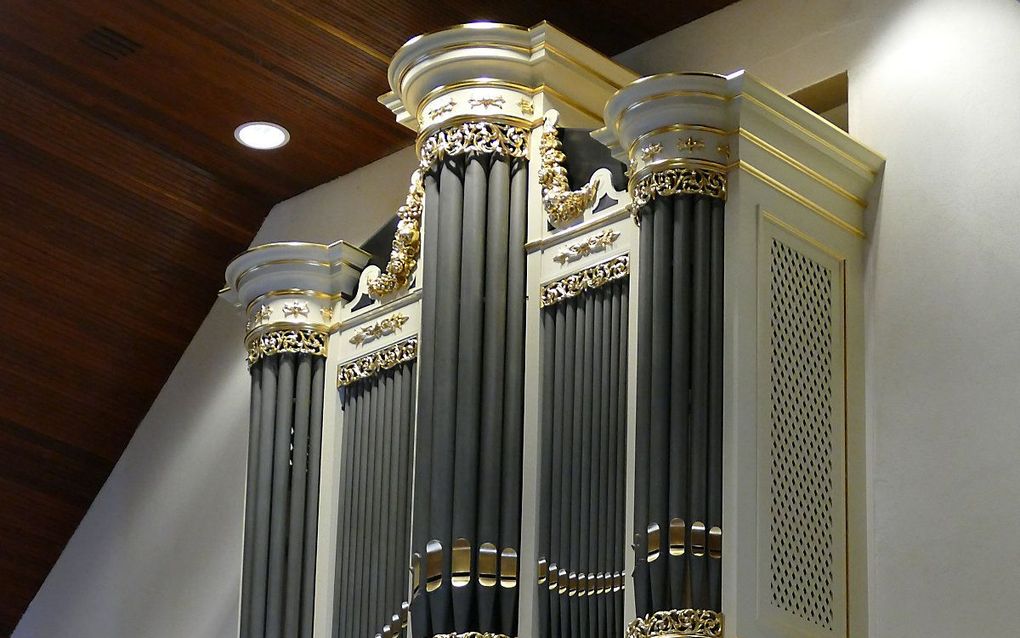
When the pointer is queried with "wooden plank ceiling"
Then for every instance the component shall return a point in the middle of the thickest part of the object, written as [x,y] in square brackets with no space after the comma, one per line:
[124,195]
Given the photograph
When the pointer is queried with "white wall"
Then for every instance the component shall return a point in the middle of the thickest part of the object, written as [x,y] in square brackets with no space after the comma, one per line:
[934,86]
[158,553]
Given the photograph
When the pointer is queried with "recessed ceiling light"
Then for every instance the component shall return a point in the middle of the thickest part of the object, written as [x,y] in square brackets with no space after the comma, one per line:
[261,135]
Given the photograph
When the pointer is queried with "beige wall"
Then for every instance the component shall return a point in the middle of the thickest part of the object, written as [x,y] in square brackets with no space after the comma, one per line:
[933,86]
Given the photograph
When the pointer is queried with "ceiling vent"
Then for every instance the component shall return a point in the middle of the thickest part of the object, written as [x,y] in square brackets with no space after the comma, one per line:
[111,43]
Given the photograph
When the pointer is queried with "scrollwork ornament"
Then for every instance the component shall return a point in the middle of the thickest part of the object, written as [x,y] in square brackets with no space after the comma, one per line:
[588,279]
[381,328]
[471,634]
[303,341]
[585,247]
[561,204]
[477,137]
[685,180]
[673,623]
[370,364]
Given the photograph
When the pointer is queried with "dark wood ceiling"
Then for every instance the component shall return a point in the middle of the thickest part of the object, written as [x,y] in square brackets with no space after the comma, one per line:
[123,195]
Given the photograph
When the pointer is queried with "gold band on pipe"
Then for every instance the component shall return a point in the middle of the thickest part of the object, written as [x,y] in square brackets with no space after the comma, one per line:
[674,623]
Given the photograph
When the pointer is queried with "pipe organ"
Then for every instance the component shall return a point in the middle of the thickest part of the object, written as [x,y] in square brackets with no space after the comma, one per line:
[607,383]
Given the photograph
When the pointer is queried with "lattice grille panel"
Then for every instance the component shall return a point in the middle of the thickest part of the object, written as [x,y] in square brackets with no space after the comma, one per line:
[801,448]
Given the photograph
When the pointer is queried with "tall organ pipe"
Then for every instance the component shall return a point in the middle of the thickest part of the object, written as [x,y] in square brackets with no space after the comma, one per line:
[583,423]
[679,405]
[468,441]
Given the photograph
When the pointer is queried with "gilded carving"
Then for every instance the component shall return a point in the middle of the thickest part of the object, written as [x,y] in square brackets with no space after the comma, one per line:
[381,328]
[588,279]
[527,107]
[295,309]
[724,150]
[561,204]
[446,107]
[406,243]
[690,144]
[327,314]
[583,248]
[370,364]
[695,623]
[480,137]
[303,340]
[487,102]
[683,180]
[650,151]
[471,634]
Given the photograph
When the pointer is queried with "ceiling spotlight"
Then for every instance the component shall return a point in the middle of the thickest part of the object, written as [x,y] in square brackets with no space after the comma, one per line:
[261,135]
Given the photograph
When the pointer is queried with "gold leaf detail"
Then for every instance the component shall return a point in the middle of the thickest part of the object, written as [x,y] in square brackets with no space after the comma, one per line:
[684,181]
[690,144]
[650,151]
[588,279]
[327,314]
[487,102]
[295,309]
[381,328]
[441,109]
[479,137]
[594,244]
[695,623]
[370,364]
[561,204]
[724,150]
[527,107]
[305,341]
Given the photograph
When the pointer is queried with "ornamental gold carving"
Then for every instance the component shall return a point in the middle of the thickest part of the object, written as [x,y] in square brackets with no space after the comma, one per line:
[441,109]
[471,634]
[588,279]
[487,102]
[594,244]
[381,328]
[689,144]
[696,623]
[561,204]
[302,340]
[406,243]
[478,137]
[650,151]
[370,364]
[295,309]
[682,181]
[527,107]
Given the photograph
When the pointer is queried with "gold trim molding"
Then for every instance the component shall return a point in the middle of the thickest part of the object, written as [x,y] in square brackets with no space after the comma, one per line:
[303,341]
[674,623]
[561,204]
[588,279]
[371,364]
